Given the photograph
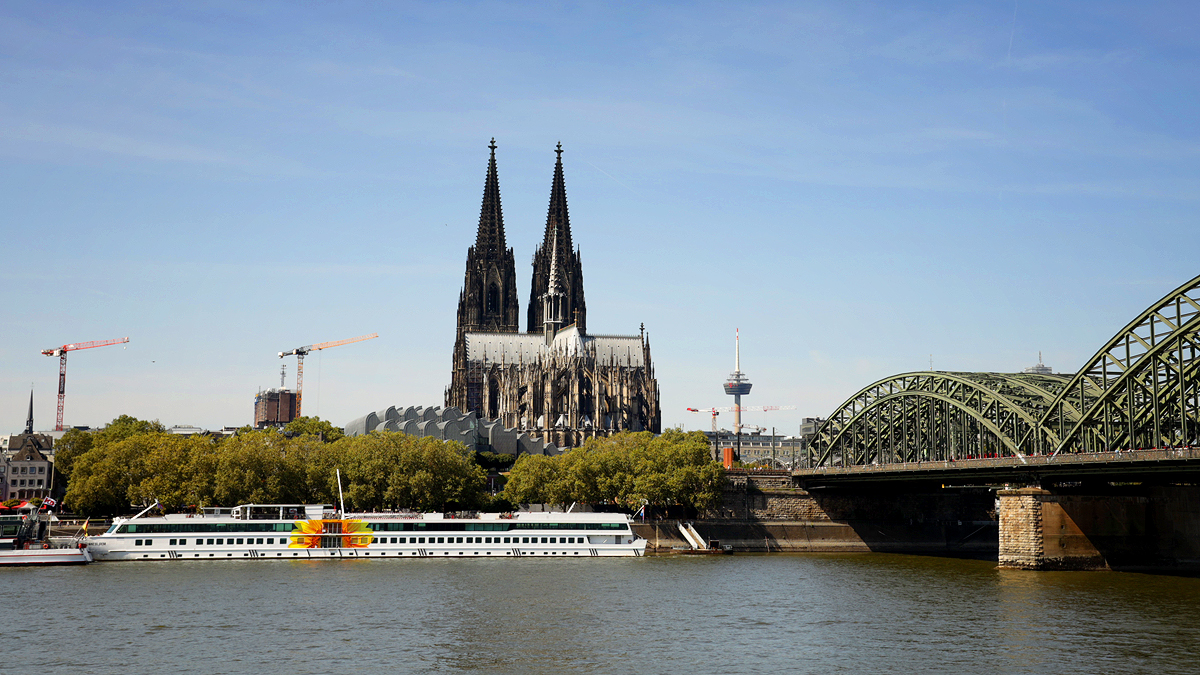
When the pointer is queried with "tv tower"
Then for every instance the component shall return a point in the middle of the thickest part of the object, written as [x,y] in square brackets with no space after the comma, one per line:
[737,386]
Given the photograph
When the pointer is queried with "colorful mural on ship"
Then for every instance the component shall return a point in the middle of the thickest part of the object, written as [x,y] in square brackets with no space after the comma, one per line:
[309,533]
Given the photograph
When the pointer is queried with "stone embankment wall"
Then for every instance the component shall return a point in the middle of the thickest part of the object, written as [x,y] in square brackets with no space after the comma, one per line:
[765,513]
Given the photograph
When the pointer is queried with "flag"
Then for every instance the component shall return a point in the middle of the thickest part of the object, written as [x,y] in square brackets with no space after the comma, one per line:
[85,523]
[49,501]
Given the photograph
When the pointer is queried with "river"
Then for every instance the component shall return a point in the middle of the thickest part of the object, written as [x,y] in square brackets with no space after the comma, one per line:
[861,613]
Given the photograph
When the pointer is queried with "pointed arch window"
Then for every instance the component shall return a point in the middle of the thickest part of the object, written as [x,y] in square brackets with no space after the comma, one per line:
[493,298]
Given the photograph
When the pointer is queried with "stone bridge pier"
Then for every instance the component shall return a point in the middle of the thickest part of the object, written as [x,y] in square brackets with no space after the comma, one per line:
[1141,527]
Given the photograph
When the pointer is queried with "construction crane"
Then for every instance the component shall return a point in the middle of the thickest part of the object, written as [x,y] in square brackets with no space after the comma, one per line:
[61,353]
[738,426]
[301,352]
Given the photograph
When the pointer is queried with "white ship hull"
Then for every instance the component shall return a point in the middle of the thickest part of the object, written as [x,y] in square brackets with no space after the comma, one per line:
[244,534]
[45,556]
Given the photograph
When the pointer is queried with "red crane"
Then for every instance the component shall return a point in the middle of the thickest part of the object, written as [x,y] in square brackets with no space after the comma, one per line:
[301,352]
[61,353]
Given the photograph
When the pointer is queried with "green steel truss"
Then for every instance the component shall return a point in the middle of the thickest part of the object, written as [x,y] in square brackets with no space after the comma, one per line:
[1141,390]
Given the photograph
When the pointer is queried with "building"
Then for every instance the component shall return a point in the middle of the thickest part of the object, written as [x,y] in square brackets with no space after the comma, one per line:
[556,381]
[451,424]
[274,407]
[28,467]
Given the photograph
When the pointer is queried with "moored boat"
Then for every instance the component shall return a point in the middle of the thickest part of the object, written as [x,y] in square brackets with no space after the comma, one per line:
[22,543]
[297,531]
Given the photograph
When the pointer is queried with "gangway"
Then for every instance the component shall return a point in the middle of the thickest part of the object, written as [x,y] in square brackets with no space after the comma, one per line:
[692,537]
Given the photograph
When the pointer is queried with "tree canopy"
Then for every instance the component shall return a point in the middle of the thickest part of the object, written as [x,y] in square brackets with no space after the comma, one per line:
[627,469]
[135,462]
[139,462]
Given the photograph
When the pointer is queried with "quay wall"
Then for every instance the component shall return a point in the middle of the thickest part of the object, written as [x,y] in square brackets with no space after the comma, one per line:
[765,514]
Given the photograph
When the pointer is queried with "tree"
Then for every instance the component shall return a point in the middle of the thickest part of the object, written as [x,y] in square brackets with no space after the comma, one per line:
[72,444]
[671,469]
[125,427]
[313,426]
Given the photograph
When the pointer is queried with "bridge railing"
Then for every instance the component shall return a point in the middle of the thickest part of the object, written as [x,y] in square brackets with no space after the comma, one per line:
[1131,456]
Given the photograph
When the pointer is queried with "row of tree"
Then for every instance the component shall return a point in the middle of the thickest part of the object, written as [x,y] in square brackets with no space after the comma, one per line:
[135,462]
[629,469]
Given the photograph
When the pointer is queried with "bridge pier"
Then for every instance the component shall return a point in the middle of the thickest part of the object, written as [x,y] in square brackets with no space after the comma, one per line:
[1104,527]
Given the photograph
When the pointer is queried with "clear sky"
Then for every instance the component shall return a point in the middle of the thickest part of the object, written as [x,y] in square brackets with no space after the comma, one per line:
[857,186]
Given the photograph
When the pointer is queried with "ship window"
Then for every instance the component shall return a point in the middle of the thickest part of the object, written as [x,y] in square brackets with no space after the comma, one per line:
[258,541]
[543,540]
[221,542]
[171,543]
[210,542]
[441,540]
[239,541]
[487,540]
[524,540]
[422,540]
[183,542]
[552,540]
[459,540]
[137,542]
[271,540]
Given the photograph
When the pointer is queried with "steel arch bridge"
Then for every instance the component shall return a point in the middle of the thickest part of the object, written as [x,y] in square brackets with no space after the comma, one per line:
[1140,390]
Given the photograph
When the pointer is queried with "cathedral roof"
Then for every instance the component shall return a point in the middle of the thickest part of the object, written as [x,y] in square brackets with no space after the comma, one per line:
[603,350]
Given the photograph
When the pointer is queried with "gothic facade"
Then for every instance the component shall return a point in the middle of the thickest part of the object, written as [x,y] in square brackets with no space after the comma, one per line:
[555,381]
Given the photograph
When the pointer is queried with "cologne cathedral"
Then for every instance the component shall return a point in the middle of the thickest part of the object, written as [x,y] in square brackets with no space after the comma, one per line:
[555,381]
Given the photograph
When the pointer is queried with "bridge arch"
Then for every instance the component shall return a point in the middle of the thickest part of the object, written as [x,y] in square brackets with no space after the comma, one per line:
[925,416]
[1142,388]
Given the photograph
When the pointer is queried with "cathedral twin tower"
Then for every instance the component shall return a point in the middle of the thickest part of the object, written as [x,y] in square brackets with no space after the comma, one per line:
[554,381]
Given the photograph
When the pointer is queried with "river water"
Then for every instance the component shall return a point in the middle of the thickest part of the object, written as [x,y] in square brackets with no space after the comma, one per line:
[864,613]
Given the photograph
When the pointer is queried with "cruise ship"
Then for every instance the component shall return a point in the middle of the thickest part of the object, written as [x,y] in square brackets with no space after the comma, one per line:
[308,532]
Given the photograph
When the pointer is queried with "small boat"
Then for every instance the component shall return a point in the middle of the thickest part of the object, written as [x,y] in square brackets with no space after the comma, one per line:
[23,542]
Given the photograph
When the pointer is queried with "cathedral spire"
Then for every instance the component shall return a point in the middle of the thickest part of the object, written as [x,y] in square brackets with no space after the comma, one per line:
[29,421]
[558,220]
[490,238]
[556,244]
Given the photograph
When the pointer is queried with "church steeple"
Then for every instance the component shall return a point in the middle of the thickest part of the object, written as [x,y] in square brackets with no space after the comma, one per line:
[29,420]
[488,301]
[490,238]
[556,244]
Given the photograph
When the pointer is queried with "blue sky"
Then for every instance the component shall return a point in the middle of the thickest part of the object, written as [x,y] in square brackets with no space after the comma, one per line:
[857,186]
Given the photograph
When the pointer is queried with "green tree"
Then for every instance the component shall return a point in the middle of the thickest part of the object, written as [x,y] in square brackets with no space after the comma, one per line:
[125,427]
[73,444]
[671,469]
[313,426]
[252,467]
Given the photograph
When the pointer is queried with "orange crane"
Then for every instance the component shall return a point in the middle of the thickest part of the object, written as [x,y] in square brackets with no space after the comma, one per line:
[61,353]
[301,352]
